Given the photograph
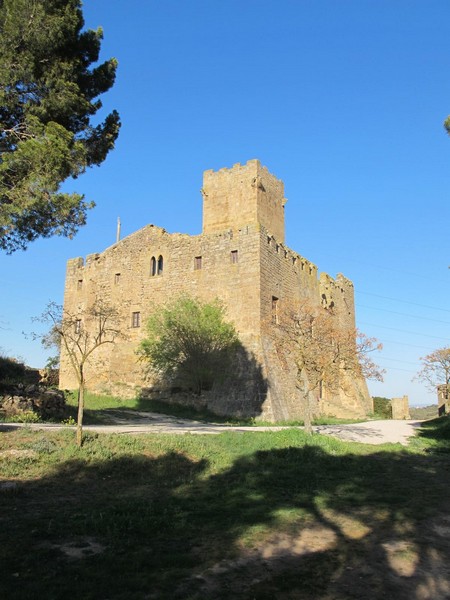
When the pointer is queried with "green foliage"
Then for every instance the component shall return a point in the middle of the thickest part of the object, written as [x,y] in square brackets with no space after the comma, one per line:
[382,407]
[189,342]
[27,416]
[52,362]
[447,124]
[48,95]
[11,370]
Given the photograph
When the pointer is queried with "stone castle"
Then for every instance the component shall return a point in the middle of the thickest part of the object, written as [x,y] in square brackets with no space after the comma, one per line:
[241,258]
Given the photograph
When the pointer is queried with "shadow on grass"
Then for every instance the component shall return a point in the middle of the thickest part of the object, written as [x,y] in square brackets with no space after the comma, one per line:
[293,522]
[437,432]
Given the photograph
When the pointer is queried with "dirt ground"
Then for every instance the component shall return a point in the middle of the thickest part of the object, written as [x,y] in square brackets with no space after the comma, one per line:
[309,566]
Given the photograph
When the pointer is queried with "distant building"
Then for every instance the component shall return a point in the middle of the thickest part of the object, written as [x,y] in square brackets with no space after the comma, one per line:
[443,400]
[400,408]
[241,258]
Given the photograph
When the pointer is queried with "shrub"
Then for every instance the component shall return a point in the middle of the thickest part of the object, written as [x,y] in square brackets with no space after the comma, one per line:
[189,343]
[11,370]
[382,407]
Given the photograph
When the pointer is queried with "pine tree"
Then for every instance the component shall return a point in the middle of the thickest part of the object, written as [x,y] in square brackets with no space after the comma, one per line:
[48,95]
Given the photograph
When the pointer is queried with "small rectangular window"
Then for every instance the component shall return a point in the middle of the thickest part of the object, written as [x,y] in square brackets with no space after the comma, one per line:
[79,284]
[136,319]
[78,326]
[274,310]
[117,278]
[234,257]
[197,263]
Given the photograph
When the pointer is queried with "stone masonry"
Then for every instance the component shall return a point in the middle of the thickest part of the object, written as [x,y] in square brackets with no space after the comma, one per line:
[400,408]
[443,400]
[240,258]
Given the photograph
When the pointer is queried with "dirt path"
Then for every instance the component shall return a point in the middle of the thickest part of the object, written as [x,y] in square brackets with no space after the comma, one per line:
[371,432]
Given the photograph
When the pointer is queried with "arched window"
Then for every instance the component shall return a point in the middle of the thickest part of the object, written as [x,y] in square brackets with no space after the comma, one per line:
[160,265]
[153,266]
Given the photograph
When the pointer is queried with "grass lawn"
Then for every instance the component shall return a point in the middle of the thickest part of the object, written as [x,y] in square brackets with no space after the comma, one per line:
[238,515]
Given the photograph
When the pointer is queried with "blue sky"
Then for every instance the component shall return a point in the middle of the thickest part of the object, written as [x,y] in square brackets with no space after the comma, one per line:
[343,100]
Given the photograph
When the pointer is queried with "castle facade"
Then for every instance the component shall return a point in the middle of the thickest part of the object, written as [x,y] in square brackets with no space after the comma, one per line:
[241,258]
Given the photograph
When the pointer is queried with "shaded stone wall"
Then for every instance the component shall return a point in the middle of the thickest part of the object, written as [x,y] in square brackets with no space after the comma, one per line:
[287,278]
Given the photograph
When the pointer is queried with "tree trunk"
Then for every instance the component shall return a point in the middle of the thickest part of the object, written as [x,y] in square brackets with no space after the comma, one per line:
[307,413]
[80,414]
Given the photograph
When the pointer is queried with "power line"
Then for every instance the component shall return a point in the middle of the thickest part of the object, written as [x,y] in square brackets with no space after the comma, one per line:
[406,362]
[403,301]
[405,331]
[366,264]
[394,312]
[399,369]
[409,345]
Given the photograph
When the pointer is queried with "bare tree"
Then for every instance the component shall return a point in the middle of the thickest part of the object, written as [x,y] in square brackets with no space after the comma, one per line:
[325,352]
[80,335]
[436,369]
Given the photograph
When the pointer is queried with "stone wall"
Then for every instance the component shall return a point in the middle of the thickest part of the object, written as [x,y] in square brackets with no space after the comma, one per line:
[288,278]
[443,400]
[246,194]
[400,408]
[46,403]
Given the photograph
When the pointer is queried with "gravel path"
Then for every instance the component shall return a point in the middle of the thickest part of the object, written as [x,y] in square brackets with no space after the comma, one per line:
[371,432]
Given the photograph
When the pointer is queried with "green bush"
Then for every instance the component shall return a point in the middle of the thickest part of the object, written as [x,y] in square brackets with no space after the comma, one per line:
[189,343]
[382,407]
[11,370]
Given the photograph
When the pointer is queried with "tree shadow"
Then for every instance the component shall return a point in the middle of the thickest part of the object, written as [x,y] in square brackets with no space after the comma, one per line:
[436,431]
[294,522]
[237,388]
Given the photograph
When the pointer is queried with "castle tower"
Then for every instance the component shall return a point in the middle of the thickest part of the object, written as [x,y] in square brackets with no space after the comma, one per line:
[243,195]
